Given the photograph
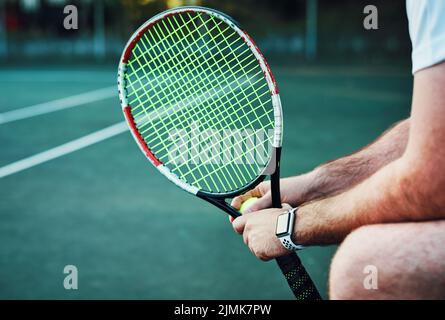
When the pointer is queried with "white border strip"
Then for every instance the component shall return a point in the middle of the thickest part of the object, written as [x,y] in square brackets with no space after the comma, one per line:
[63,149]
[174,178]
[59,104]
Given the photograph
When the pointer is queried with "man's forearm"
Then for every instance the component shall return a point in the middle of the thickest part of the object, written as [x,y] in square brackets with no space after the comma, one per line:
[393,194]
[410,188]
[339,175]
[329,220]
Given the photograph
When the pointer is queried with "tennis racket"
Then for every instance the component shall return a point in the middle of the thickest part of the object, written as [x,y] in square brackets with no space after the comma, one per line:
[203,106]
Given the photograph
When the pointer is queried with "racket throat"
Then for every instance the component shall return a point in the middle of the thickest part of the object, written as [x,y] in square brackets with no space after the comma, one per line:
[222,204]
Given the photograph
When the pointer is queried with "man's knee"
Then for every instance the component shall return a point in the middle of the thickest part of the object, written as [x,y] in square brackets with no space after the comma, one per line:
[356,255]
[390,261]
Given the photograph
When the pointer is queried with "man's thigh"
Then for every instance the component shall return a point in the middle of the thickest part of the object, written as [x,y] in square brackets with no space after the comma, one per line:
[405,260]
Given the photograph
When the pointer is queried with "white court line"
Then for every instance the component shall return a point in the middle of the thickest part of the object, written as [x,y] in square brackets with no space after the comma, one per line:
[64,149]
[59,104]
[94,137]
[60,76]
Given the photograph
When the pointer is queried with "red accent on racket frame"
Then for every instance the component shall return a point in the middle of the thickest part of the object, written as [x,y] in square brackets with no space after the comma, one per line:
[134,40]
[139,35]
[265,63]
[140,140]
[169,14]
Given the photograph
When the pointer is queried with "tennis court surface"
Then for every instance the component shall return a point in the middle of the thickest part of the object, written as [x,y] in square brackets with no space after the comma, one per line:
[75,190]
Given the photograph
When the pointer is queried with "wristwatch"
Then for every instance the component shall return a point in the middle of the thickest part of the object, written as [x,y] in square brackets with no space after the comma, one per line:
[284,229]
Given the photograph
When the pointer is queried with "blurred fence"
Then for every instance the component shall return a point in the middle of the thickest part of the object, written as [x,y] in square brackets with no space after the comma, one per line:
[308,29]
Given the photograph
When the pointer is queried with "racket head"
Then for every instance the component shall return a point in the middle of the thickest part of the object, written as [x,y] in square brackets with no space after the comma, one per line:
[172,55]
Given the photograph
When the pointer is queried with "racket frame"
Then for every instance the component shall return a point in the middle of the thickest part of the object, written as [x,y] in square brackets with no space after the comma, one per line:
[273,164]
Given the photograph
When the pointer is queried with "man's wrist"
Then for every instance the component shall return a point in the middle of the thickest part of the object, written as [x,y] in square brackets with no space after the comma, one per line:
[284,230]
[298,232]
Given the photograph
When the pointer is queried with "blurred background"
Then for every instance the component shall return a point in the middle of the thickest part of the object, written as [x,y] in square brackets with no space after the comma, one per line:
[306,29]
[75,190]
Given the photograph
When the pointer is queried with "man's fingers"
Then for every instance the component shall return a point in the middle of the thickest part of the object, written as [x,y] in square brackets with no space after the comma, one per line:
[237,201]
[255,192]
[238,224]
[262,203]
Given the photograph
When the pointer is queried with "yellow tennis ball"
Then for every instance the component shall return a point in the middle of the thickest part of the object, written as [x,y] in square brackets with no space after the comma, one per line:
[248,203]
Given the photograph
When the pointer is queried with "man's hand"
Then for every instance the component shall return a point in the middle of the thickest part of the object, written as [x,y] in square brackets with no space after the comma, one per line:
[294,191]
[258,230]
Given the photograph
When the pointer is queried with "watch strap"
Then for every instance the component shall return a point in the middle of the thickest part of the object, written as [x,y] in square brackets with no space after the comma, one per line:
[286,240]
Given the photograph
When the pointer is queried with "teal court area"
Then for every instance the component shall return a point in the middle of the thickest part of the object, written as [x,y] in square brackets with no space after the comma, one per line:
[99,205]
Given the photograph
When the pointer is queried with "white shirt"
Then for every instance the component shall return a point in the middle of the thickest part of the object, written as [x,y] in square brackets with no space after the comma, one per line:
[427,32]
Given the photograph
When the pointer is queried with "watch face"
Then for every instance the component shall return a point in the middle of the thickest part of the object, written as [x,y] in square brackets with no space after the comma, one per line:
[282,224]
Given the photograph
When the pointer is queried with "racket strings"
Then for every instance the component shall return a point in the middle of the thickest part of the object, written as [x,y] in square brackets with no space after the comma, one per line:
[208,175]
[216,79]
[158,116]
[183,66]
[170,35]
[211,84]
[214,101]
[241,67]
[211,96]
[198,168]
[212,169]
[213,81]
[144,102]
[159,84]
[238,103]
[136,115]
[163,39]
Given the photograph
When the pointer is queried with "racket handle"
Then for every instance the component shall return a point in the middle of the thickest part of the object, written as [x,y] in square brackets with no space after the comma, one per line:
[297,277]
[293,270]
